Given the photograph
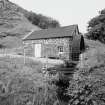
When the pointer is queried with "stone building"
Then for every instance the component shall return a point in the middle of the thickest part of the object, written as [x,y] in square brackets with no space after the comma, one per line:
[63,43]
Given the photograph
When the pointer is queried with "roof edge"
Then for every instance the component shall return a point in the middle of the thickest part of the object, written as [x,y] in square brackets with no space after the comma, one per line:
[47,38]
[28,34]
[26,37]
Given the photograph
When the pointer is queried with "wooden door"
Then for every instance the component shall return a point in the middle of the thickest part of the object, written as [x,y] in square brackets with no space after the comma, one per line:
[37,50]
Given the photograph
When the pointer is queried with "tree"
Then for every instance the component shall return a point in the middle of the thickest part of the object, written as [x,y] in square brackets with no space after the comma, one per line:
[42,21]
[96,27]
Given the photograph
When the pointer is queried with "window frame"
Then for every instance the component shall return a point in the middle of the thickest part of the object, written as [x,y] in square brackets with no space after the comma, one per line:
[60,49]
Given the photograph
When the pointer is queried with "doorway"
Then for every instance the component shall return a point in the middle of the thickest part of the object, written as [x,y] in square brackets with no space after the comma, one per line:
[37,50]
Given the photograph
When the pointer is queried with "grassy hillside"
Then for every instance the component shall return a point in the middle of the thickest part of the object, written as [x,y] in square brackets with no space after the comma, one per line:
[18,22]
[13,23]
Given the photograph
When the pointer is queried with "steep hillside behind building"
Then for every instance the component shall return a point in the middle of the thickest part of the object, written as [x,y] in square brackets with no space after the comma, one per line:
[16,22]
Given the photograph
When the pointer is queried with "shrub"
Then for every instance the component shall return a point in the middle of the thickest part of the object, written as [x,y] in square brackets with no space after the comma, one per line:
[88,86]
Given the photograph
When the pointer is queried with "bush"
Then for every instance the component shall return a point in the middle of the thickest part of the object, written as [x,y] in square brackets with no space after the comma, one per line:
[42,21]
[87,87]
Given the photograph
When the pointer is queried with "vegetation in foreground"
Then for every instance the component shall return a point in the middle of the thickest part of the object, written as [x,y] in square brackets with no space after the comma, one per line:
[24,84]
[88,84]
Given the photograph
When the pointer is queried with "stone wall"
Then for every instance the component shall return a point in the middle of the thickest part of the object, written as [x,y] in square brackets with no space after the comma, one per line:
[50,47]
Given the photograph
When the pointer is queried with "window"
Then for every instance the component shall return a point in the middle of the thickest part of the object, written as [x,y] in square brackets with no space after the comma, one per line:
[60,48]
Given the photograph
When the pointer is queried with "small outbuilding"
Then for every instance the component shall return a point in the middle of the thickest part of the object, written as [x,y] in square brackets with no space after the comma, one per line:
[59,43]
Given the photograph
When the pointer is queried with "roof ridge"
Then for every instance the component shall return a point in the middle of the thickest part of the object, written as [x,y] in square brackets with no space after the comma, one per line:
[58,27]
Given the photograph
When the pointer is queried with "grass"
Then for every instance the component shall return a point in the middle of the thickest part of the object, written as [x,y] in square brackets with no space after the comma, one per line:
[24,83]
[94,54]
[14,26]
[17,76]
[17,66]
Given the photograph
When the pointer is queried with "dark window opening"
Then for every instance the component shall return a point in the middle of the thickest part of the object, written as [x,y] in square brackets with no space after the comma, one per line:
[60,48]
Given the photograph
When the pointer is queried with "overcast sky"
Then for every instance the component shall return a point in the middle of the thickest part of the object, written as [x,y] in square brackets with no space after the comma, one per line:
[67,12]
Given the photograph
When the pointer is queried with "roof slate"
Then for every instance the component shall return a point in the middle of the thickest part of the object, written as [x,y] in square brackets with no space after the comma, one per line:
[60,32]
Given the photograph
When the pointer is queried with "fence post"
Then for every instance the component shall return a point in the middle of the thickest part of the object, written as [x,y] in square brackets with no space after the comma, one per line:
[24,52]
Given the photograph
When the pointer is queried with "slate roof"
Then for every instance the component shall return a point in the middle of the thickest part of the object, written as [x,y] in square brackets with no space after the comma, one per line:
[60,32]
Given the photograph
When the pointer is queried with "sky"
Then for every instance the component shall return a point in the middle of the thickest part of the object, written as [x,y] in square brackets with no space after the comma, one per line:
[67,12]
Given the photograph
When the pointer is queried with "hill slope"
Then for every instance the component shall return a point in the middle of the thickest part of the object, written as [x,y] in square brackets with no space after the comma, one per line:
[94,54]
[13,24]
[17,22]
[12,21]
